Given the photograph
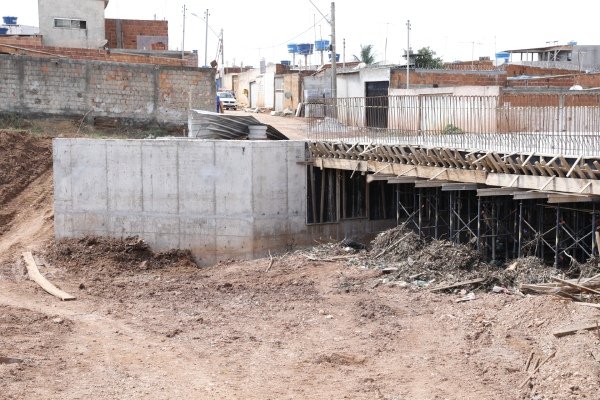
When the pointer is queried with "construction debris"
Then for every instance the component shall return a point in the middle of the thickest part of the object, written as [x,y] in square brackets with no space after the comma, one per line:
[571,288]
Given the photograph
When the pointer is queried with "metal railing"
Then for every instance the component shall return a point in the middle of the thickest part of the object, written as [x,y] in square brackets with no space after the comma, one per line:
[461,122]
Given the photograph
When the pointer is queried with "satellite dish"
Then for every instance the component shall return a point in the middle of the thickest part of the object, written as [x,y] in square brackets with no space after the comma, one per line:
[288,95]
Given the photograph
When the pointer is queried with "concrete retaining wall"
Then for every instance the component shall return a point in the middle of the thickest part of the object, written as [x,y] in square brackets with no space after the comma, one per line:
[220,199]
[143,93]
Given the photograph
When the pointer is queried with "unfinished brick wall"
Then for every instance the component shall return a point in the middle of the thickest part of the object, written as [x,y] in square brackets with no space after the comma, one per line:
[137,92]
[445,78]
[190,60]
[33,40]
[124,33]
[566,99]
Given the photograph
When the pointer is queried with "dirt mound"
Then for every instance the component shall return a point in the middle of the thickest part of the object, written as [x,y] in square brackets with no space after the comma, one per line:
[23,158]
[112,257]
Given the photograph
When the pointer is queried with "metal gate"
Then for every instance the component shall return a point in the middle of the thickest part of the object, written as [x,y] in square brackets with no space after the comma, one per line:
[253,94]
[279,94]
[377,104]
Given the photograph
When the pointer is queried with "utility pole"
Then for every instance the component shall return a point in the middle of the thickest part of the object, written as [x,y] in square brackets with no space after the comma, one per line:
[333,56]
[206,40]
[344,55]
[222,60]
[183,36]
[333,50]
[407,53]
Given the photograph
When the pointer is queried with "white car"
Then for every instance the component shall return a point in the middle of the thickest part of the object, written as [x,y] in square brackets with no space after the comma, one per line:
[228,101]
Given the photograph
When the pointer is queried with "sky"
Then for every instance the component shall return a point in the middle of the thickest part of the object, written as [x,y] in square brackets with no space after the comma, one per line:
[455,30]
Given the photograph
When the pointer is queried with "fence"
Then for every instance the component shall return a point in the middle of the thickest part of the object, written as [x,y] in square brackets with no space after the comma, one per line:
[462,122]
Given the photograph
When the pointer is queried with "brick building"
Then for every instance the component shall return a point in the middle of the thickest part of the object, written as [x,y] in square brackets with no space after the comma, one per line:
[137,34]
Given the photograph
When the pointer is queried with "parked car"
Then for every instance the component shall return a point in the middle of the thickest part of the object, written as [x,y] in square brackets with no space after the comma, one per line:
[228,101]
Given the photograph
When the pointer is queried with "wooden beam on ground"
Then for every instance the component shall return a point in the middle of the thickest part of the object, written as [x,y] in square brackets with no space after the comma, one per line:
[448,187]
[34,275]
[458,284]
[580,326]
[575,285]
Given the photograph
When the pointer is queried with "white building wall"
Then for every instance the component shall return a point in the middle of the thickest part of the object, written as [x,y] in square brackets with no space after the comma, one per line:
[90,11]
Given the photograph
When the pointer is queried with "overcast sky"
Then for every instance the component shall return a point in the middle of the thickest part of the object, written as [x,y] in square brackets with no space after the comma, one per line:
[454,29]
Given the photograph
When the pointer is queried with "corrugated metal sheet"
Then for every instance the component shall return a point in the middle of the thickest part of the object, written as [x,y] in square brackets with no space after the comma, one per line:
[210,125]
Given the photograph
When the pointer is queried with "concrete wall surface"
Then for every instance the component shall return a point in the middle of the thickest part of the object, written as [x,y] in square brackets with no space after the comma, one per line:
[220,199]
[90,11]
[140,92]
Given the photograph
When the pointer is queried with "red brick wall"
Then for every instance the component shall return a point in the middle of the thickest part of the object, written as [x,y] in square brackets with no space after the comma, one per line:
[550,99]
[34,40]
[131,29]
[516,70]
[421,78]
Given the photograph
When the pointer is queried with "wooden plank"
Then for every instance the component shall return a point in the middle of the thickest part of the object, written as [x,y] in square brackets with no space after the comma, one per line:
[590,172]
[497,192]
[381,177]
[565,185]
[575,285]
[574,328]
[34,275]
[458,284]
[530,195]
[568,198]
[593,305]
[500,162]
[573,167]
[516,168]
[448,187]
[430,184]
[402,179]
[556,168]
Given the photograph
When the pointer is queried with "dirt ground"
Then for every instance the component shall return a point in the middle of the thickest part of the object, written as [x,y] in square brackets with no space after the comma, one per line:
[156,326]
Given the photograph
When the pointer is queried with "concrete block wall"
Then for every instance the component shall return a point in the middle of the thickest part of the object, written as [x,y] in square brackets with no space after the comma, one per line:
[220,199]
[144,93]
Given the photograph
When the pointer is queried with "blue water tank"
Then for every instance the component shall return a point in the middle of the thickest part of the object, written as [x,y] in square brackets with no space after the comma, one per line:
[337,57]
[572,43]
[3,31]
[305,49]
[9,20]
[322,45]
[292,48]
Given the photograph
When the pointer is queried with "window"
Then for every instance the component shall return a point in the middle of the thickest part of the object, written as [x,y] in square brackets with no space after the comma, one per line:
[69,23]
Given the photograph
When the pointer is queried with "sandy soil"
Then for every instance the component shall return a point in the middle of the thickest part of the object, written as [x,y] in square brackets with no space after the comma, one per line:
[294,128]
[155,326]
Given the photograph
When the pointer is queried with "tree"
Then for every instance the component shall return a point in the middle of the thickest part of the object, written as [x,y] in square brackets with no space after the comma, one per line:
[366,54]
[425,58]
